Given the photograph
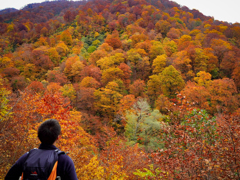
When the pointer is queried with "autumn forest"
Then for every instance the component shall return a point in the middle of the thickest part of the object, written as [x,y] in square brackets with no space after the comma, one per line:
[143,89]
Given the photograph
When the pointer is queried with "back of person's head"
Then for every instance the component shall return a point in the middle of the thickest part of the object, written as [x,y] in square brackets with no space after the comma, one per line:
[49,131]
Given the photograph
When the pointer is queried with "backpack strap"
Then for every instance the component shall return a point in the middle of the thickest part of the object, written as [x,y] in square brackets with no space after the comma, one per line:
[59,151]
[21,177]
[53,174]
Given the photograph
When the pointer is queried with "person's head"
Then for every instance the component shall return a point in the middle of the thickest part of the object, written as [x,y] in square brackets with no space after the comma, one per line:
[49,131]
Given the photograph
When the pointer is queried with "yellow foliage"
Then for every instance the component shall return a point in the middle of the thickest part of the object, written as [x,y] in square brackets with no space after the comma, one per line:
[117,58]
[154,85]
[73,66]
[159,64]
[42,41]
[77,67]
[66,37]
[105,63]
[89,82]
[106,47]
[219,43]
[107,101]
[133,56]
[10,28]
[29,71]
[203,78]
[5,62]
[76,49]
[93,170]
[62,48]
[53,55]
[223,28]
[96,34]
[96,42]
[4,107]
[111,74]
[69,91]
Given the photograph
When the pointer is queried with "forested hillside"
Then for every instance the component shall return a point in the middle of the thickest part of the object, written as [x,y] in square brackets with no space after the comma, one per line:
[143,89]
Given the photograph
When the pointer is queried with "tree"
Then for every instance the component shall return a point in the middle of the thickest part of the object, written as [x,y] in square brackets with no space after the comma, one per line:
[62,49]
[85,99]
[236,75]
[154,87]
[212,63]
[10,72]
[118,58]
[5,62]
[126,74]
[138,88]
[105,63]
[66,37]
[120,160]
[36,87]
[184,42]
[113,40]
[171,81]
[203,78]
[57,77]
[220,47]
[18,83]
[68,16]
[107,100]
[73,68]
[156,50]
[106,47]
[93,170]
[159,64]
[97,55]
[115,43]
[223,95]
[126,104]
[146,45]
[163,104]
[28,71]
[174,33]
[137,38]
[143,126]
[54,56]
[89,82]
[197,95]
[41,61]
[182,62]
[163,27]
[133,57]
[229,62]
[111,74]
[68,91]
[143,68]
[200,61]
[170,47]
[91,71]
[77,67]
[4,108]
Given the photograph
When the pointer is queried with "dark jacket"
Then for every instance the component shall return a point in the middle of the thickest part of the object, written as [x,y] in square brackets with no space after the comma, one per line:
[65,168]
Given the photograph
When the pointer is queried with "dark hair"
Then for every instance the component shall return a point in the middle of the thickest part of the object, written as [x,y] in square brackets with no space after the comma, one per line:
[48,131]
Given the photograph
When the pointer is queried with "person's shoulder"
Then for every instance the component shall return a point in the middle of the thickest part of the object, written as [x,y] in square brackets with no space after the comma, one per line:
[23,158]
[63,157]
[16,170]
[66,167]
